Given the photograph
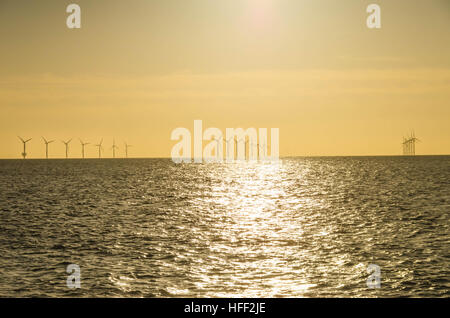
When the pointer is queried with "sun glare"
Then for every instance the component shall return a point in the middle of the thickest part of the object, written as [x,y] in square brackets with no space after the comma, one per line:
[260,12]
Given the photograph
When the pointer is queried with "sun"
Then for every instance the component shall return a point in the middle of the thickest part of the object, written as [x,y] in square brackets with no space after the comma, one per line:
[260,12]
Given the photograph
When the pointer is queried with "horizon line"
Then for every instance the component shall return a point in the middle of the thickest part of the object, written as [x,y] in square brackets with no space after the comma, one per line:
[281,157]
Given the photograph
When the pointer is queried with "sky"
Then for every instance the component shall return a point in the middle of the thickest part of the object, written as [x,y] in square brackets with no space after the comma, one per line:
[138,69]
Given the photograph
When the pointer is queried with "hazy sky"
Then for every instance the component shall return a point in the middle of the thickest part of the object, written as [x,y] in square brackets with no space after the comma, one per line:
[138,69]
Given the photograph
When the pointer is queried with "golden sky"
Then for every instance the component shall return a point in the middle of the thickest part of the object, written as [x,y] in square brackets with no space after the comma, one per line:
[138,69]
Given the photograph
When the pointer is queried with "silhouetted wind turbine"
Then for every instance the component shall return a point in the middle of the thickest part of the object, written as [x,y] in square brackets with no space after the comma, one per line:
[114,147]
[413,140]
[126,149]
[66,143]
[100,147]
[404,146]
[262,149]
[46,146]
[409,145]
[24,153]
[82,147]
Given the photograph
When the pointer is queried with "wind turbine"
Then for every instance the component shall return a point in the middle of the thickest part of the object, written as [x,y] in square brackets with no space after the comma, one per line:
[46,146]
[66,143]
[405,152]
[114,147]
[100,147]
[252,149]
[413,140]
[82,147]
[24,153]
[126,149]
[262,149]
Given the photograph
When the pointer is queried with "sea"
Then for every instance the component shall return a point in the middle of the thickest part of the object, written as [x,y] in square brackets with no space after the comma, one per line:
[303,227]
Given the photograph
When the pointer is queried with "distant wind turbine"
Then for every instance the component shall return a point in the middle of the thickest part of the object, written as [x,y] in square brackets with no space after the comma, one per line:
[126,149]
[100,147]
[409,145]
[262,149]
[114,147]
[24,153]
[413,141]
[66,143]
[46,146]
[83,144]
[404,146]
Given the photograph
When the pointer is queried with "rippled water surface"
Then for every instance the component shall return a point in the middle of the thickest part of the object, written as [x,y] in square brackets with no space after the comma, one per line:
[307,227]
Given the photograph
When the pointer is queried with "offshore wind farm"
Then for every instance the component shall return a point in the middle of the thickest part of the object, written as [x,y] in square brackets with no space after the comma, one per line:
[251,148]
[66,154]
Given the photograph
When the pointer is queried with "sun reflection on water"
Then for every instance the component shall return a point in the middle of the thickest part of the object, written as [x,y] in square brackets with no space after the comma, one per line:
[255,207]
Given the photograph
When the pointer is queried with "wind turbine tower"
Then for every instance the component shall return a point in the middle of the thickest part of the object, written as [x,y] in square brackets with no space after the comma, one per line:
[405,146]
[83,144]
[413,143]
[100,147]
[66,143]
[24,153]
[126,149]
[46,146]
[114,147]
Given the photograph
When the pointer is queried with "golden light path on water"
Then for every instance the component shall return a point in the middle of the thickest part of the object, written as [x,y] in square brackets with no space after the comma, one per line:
[252,197]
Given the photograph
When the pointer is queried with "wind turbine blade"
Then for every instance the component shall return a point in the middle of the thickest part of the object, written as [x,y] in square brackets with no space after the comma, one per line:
[21,138]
